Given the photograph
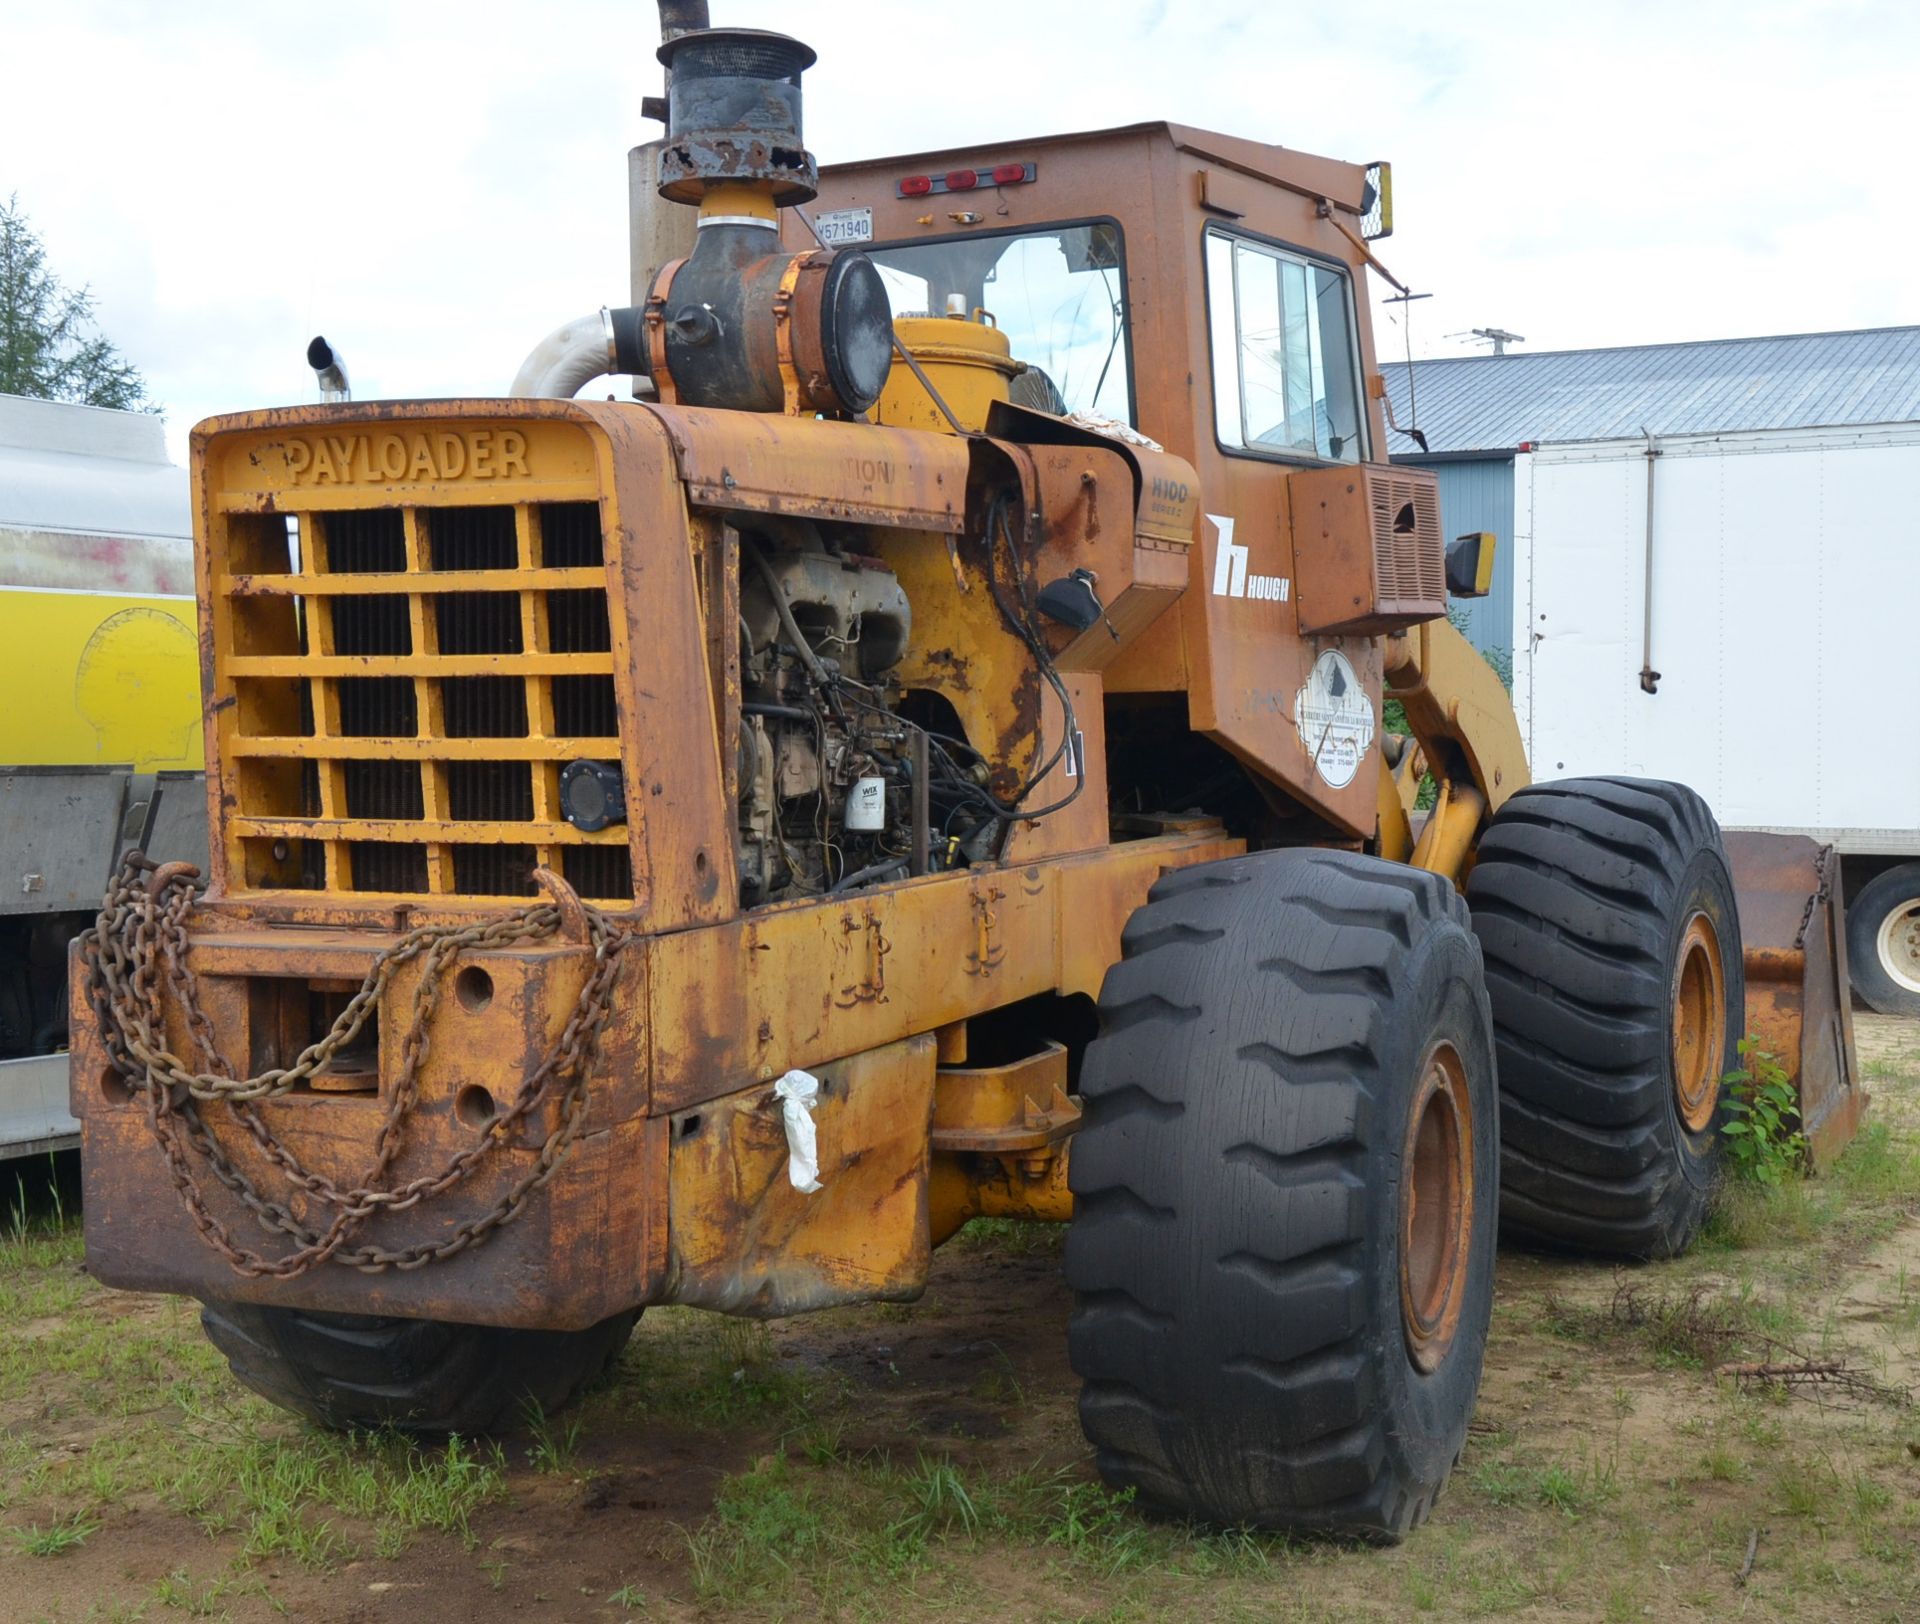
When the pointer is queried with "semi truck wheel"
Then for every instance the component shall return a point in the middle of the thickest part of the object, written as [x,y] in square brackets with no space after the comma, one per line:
[1606,910]
[1284,1195]
[1883,941]
[428,1376]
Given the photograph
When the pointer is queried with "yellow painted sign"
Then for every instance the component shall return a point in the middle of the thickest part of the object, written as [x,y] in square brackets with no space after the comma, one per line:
[514,461]
[334,459]
[94,679]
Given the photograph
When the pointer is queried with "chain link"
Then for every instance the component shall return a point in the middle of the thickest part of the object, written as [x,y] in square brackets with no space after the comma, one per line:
[1823,867]
[138,946]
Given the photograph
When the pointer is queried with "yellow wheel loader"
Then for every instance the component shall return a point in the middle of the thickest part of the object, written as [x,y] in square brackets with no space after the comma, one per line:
[922,757]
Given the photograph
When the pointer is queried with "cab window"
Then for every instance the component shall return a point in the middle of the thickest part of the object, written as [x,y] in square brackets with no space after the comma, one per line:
[1285,376]
[1058,293]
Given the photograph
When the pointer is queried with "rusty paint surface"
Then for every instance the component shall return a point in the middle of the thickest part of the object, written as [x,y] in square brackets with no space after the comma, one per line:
[1799,1005]
[699,1014]
[850,471]
[745,1241]
[965,1185]
[1019,1107]
[733,1003]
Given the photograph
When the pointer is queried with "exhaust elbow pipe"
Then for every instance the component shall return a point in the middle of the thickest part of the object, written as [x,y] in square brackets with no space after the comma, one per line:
[330,370]
[576,352]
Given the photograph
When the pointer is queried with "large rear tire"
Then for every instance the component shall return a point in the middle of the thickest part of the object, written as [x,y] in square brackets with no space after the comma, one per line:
[1284,1195]
[1883,941]
[1606,910]
[426,1376]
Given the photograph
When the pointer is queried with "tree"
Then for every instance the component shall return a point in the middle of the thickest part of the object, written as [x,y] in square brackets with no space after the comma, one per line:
[49,345]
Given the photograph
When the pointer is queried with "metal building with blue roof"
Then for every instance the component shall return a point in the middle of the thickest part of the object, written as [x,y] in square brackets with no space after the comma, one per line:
[1478,411]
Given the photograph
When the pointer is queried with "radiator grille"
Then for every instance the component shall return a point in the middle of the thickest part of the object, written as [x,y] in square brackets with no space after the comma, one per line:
[410,680]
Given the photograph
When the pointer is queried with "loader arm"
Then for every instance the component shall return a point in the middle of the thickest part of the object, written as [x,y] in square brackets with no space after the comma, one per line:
[1463,719]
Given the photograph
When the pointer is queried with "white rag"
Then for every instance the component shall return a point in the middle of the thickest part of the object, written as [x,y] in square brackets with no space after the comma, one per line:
[797,1092]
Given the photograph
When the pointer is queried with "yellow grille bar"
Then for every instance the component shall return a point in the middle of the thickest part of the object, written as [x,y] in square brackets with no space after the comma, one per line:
[428,749]
[302,586]
[419,665]
[420,831]
[409,678]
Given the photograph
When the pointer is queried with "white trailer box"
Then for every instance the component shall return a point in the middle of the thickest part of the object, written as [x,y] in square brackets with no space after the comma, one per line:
[1756,640]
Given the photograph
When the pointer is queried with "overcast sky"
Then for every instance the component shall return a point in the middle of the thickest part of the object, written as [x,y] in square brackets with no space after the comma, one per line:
[434,186]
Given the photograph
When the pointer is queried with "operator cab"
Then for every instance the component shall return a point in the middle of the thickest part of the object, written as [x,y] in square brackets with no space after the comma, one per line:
[1105,293]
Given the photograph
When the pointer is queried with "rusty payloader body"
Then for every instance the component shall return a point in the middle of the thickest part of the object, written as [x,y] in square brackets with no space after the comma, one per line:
[922,759]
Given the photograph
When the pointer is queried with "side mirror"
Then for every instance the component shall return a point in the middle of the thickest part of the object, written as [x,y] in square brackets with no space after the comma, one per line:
[1470,565]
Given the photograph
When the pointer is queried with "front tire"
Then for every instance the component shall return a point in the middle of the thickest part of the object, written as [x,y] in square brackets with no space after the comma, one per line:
[354,1371]
[1883,941]
[1606,909]
[1284,1196]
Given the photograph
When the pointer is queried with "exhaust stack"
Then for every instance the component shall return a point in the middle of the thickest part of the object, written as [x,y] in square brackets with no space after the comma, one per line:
[735,150]
[329,370]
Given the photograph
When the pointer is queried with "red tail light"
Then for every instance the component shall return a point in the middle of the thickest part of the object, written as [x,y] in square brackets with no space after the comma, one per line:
[967,180]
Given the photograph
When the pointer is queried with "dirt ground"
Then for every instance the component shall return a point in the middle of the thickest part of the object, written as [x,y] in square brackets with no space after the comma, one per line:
[925,1460]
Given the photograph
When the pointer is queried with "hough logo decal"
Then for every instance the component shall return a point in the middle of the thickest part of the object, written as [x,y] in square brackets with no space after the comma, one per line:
[349,459]
[1231,578]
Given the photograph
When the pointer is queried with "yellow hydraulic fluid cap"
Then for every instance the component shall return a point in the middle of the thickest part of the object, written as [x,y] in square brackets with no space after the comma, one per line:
[969,362]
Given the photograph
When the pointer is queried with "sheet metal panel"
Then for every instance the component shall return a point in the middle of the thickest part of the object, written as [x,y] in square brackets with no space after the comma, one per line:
[1478,495]
[1805,380]
[1784,609]
[34,1118]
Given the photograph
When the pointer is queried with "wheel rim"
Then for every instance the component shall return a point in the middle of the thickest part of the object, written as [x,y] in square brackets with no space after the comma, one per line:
[1898,943]
[1436,1207]
[1699,1023]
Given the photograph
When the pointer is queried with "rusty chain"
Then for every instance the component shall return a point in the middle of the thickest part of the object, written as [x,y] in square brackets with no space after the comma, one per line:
[139,944]
[1822,867]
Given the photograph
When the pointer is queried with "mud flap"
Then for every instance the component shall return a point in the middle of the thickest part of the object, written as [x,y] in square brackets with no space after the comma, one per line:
[1798,1003]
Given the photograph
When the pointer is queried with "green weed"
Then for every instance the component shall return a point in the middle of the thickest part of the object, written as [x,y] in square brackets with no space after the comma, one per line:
[1764,1144]
[556,1444]
[54,1539]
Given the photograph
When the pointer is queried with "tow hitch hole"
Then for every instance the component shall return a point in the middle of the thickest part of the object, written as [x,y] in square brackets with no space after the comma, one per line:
[474,1106]
[474,988]
[113,1088]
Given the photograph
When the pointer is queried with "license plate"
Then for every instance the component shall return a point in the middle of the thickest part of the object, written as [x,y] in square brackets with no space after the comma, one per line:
[839,227]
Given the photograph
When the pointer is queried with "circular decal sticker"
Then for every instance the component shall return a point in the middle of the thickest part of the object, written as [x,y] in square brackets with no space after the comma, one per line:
[1335,718]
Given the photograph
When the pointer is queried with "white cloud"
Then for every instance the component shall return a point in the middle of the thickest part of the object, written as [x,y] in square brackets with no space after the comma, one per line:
[435,185]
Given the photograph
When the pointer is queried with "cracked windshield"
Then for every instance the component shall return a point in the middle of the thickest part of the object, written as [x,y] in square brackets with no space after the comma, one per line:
[1058,295]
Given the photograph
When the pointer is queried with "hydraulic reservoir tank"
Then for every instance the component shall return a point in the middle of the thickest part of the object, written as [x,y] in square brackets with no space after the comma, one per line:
[969,362]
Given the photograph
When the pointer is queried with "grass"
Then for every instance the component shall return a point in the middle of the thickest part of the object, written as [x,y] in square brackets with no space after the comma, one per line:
[1695,1328]
[791,1536]
[1867,1194]
[555,1441]
[1013,1237]
[52,1540]
[1572,1488]
[720,1371]
[1608,1476]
